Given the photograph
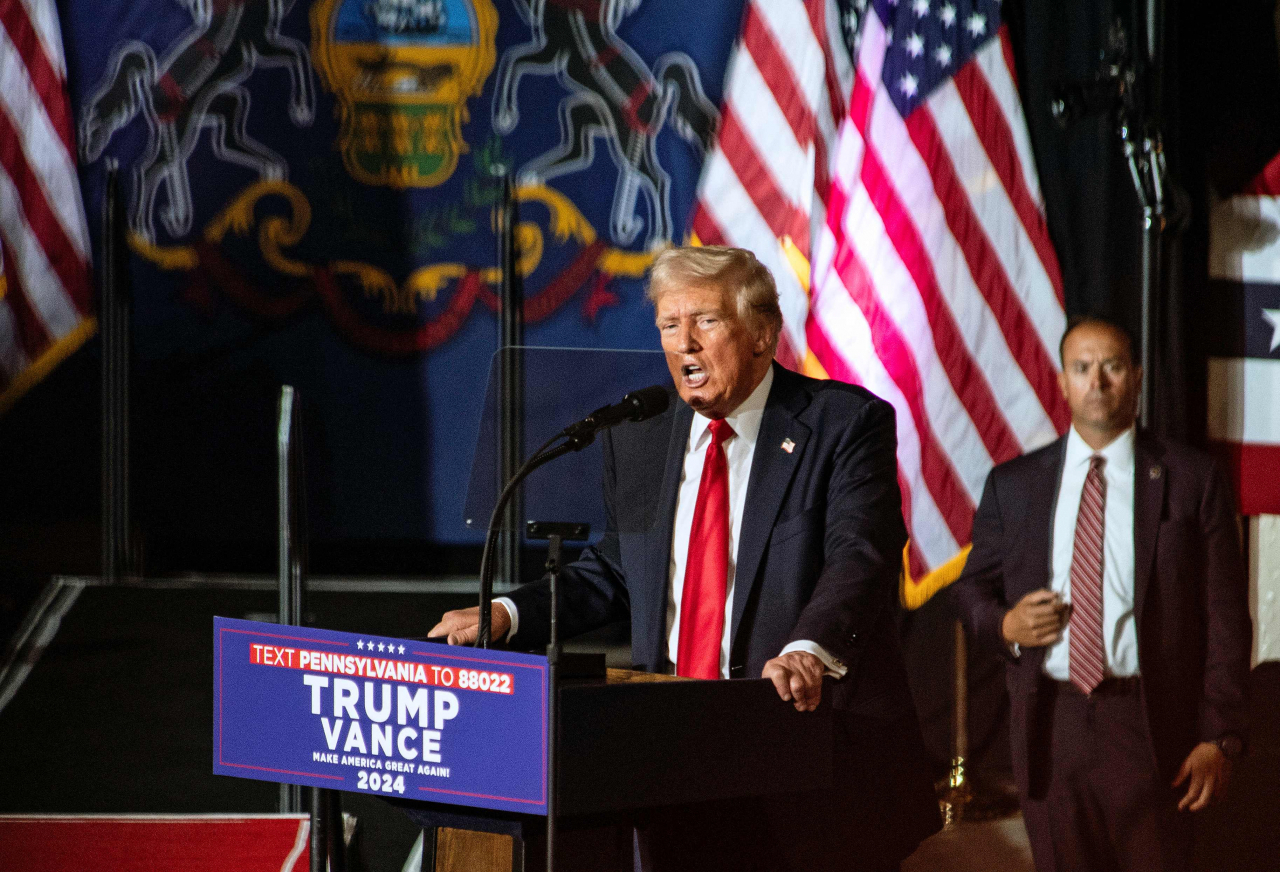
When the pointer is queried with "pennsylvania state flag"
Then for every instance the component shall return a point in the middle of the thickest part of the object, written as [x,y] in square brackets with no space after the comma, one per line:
[310,192]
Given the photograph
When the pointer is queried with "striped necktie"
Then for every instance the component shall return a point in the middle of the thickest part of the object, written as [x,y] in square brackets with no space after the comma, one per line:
[1088,659]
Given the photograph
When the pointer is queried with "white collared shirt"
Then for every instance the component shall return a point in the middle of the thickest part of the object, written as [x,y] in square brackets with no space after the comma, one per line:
[1119,628]
[739,452]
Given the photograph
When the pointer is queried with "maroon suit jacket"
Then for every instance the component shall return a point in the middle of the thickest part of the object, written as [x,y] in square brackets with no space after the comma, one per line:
[1191,597]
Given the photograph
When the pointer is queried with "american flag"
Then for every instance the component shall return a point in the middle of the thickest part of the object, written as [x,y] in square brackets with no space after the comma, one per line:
[1244,339]
[44,244]
[935,283]
[765,185]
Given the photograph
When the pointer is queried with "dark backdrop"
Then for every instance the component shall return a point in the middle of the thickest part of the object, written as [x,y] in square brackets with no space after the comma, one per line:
[1221,96]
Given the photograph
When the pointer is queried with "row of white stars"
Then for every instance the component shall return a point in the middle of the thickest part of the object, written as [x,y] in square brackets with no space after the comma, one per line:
[921,9]
[393,649]
[909,84]
[915,48]
[976,24]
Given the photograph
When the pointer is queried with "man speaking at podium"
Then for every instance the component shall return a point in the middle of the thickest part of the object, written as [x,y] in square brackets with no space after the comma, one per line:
[755,529]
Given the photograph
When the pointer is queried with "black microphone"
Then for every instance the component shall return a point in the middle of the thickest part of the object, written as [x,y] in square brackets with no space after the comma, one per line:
[638,405]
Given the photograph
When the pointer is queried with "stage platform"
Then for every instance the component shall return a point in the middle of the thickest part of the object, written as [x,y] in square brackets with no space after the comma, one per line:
[106,708]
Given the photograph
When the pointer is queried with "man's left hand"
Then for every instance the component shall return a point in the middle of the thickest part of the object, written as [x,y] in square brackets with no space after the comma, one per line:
[1209,770]
[797,676]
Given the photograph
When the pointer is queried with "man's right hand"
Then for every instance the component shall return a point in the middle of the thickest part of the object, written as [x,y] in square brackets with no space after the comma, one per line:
[1036,620]
[463,625]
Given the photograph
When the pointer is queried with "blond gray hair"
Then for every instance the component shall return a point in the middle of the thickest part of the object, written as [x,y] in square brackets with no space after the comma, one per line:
[734,269]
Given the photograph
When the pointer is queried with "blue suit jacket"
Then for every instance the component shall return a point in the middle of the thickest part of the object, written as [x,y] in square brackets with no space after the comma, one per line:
[819,556]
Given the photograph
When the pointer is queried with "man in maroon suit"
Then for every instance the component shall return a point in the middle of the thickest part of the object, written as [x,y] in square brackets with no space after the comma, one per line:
[1106,568]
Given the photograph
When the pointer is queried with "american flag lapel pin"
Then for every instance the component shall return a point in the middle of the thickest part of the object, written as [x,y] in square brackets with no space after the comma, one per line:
[788,446]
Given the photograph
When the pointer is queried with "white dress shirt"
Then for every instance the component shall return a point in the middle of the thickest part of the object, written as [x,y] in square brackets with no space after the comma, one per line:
[739,451]
[1119,629]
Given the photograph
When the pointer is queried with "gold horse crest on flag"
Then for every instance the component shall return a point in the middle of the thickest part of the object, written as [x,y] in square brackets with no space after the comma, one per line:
[402,71]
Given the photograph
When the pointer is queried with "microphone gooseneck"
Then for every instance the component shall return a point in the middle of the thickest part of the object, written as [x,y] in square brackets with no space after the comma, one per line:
[639,405]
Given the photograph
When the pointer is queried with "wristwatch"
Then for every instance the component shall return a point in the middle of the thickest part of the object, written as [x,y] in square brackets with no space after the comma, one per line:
[1230,745]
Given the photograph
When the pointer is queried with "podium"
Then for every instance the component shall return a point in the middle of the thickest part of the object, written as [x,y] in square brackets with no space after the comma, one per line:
[633,743]
[457,738]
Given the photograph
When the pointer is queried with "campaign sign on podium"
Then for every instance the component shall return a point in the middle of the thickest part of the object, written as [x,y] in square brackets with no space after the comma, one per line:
[394,717]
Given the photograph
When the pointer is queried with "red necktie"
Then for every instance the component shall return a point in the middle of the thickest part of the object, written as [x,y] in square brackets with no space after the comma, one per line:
[1087,660]
[706,572]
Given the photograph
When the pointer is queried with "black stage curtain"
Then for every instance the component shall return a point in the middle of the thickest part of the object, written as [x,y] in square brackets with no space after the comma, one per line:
[1219,89]
[1217,92]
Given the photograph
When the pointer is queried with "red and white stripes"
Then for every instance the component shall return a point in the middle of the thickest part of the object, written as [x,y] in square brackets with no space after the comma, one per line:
[765,185]
[936,286]
[44,243]
[1244,362]
[1088,657]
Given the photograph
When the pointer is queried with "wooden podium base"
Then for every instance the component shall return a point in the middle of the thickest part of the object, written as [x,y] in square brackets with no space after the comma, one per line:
[469,851]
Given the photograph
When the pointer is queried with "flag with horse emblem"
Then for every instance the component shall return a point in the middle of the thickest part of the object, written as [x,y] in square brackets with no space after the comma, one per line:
[311,191]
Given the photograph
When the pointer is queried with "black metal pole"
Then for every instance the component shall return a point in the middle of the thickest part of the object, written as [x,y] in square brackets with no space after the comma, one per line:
[510,398]
[291,494]
[1140,120]
[1149,24]
[1152,228]
[105,321]
[113,319]
[512,377]
[1145,156]
[290,564]
[319,830]
[553,689]
[337,832]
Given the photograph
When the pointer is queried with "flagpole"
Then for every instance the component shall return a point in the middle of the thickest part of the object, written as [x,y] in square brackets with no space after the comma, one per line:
[510,401]
[117,549]
[958,788]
